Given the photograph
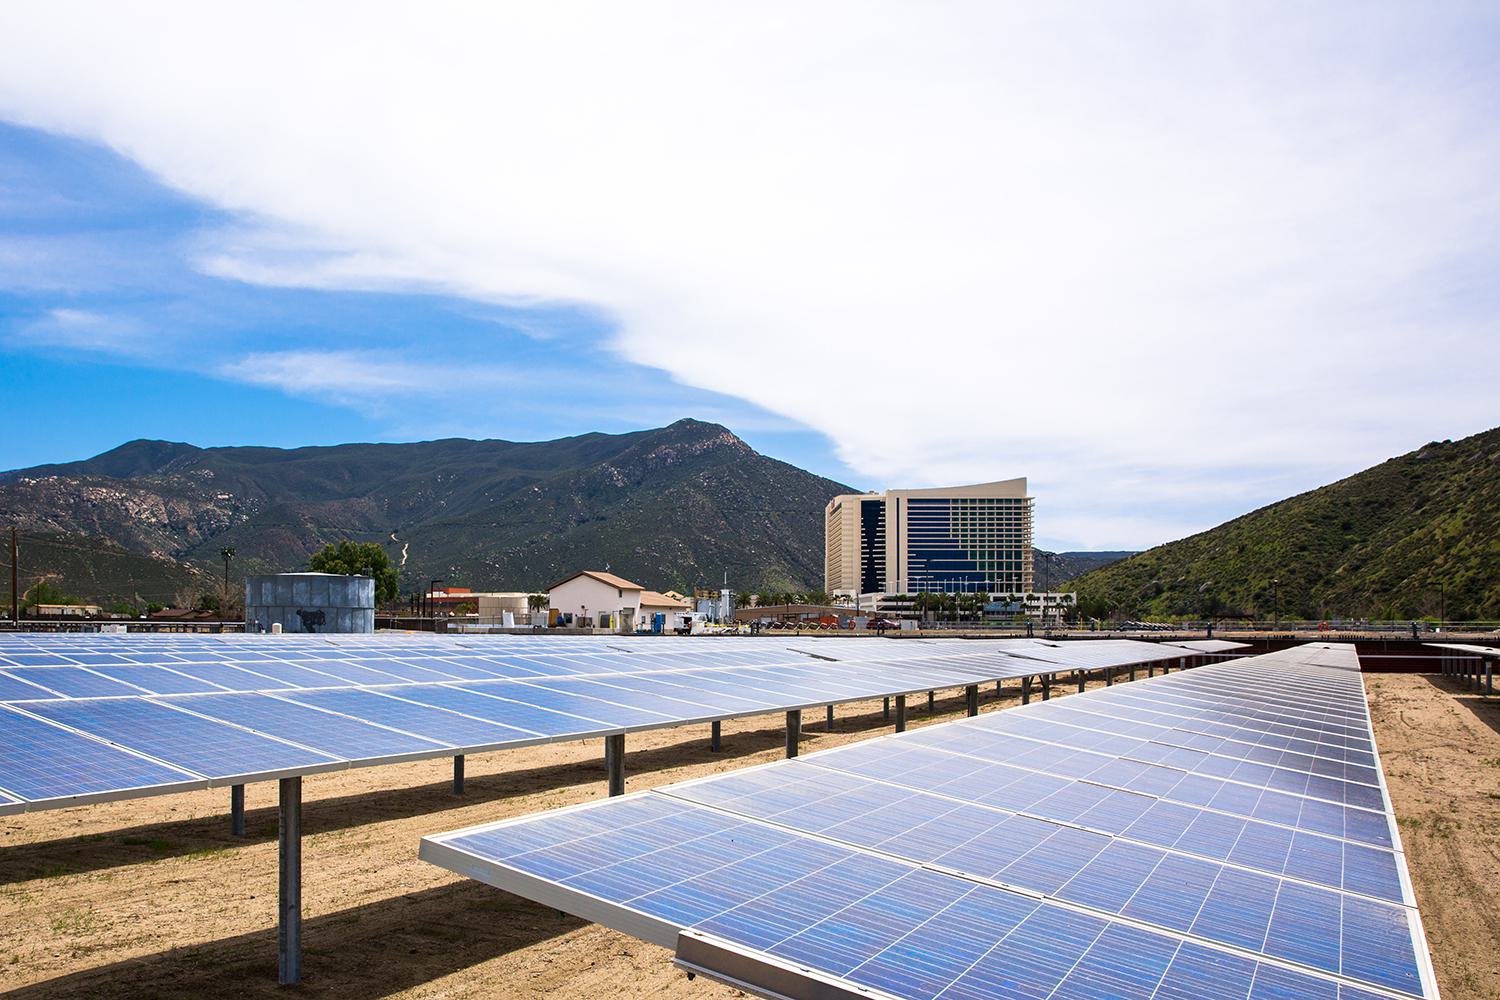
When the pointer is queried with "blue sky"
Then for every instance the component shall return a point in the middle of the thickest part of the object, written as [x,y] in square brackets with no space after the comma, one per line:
[1171,262]
[111,332]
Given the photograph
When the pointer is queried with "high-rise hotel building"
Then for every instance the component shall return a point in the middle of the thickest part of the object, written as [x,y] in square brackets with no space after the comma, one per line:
[962,539]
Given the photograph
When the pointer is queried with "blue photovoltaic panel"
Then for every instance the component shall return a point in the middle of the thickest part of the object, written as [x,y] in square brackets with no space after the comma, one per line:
[157,680]
[13,689]
[41,761]
[74,682]
[911,865]
[484,702]
[442,727]
[338,735]
[638,683]
[199,745]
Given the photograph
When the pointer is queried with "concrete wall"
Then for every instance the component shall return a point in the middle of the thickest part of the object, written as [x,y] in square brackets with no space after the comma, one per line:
[310,602]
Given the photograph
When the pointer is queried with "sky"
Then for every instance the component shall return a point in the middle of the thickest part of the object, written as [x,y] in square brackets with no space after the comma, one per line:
[1170,261]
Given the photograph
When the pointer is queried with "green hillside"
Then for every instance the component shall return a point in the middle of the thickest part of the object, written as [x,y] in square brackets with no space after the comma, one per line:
[1397,541]
[102,572]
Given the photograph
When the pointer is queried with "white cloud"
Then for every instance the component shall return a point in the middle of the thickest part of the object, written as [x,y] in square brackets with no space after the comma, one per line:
[84,330]
[1107,247]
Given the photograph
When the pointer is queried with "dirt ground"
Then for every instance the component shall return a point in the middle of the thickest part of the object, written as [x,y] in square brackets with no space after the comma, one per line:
[1440,748]
[154,898]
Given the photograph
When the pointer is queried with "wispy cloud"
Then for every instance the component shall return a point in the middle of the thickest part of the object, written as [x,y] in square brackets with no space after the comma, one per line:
[1168,249]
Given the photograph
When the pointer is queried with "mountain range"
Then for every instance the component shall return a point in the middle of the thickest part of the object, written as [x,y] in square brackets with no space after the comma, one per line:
[1414,537]
[679,506]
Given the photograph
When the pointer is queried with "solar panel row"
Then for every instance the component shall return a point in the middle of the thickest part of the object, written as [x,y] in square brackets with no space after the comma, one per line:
[180,714]
[1223,832]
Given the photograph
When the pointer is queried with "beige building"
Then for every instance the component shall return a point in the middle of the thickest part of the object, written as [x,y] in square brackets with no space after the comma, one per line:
[960,539]
[588,594]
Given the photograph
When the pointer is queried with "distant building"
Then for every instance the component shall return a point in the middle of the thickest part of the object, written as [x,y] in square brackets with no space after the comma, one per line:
[590,594]
[63,611]
[960,539]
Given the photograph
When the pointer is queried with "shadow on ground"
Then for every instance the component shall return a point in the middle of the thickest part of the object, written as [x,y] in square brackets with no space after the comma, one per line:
[350,953]
[1486,707]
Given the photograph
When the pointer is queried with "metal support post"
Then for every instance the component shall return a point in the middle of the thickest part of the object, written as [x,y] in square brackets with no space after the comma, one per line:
[1132,671]
[885,711]
[829,720]
[971,695]
[458,774]
[1026,690]
[715,742]
[1047,686]
[614,762]
[1489,677]
[1109,676]
[931,702]
[1083,681]
[999,690]
[1150,670]
[900,713]
[289,889]
[793,731]
[237,810]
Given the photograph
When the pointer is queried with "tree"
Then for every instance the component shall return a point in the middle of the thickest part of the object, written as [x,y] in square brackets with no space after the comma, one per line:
[47,592]
[358,559]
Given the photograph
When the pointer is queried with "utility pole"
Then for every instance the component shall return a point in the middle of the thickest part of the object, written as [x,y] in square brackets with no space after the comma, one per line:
[228,553]
[15,592]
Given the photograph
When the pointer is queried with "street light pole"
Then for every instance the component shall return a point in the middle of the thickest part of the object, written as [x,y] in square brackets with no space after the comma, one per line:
[431,607]
[228,553]
[1275,603]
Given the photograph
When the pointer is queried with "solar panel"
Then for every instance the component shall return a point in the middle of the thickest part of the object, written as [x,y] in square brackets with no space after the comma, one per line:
[201,702]
[1019,854]
[44,763]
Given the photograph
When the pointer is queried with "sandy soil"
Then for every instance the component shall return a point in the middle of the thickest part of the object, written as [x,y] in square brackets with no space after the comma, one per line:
[1440,748]
[154,898]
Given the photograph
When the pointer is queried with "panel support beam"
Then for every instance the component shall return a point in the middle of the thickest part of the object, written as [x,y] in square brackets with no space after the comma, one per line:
[900,713]
[289,888]
[237,810]
[971,696]
[458,774]
[793,731]
[614,762]
[715,737]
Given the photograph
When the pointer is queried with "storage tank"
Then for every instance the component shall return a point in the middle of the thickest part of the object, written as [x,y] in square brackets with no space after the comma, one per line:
[310,602]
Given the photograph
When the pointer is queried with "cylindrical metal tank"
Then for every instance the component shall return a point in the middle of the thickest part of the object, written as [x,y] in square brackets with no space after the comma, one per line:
[310,602]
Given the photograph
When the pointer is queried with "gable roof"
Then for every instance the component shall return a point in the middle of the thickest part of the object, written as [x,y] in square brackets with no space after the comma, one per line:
[608,579]
[652,599]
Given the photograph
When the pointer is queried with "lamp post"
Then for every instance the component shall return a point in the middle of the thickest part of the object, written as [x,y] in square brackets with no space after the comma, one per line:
[1275,602]
[431,607]
[227,553]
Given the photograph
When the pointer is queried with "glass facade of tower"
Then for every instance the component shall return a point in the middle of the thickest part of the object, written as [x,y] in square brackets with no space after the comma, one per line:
[872,546]
[967,545]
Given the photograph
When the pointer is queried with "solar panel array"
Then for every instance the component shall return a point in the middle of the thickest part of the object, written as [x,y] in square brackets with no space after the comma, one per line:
[95,717]
[1222,832]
